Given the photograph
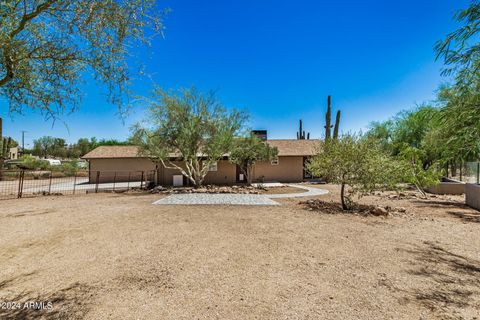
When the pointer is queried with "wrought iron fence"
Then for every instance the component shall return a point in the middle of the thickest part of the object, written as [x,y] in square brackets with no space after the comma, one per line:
[26,183]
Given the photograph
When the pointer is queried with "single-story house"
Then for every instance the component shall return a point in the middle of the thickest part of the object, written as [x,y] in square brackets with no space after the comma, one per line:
[122,163]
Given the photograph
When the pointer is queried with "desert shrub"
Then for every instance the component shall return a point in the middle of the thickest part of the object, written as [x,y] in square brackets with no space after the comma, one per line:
[357,164]
[69,169]
[416,173]
[33,163]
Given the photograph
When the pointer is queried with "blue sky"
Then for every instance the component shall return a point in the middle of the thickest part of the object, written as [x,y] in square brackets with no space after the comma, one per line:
[279,60]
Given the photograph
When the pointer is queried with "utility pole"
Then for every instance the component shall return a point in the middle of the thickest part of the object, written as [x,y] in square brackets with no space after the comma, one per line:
[23,141]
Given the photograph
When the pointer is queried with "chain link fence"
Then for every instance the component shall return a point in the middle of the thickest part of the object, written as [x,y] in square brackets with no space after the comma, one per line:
[468,172]
[25,183]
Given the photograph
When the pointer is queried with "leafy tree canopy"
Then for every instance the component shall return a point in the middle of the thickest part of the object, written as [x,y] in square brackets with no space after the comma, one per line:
[249,150]
[47,46]
[192,127]
[356,163]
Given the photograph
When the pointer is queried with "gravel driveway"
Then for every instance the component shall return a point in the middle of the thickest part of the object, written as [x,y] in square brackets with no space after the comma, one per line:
[238,199]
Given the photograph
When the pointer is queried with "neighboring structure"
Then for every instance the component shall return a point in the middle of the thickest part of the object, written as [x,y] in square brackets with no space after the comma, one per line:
[472,195]
[289,166]
[13,154]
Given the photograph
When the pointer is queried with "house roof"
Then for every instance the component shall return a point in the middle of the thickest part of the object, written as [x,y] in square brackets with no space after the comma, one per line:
[295,147]
[106,152]
[285,148]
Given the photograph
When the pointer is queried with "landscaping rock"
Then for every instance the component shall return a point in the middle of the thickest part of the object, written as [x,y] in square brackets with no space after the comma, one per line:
[379,211]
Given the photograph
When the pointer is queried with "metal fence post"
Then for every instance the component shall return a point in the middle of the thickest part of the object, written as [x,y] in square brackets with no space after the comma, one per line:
[20,184]
[50,183]
[461,169]
[478,172]
[96,184]
[74,182]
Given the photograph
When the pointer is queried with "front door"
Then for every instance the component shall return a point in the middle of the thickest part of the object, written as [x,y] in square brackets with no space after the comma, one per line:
[240,175]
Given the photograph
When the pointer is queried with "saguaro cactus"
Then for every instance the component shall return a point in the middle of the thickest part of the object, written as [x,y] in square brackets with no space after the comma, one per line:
[328,121]
[328,116]
[301,132]
[337,126]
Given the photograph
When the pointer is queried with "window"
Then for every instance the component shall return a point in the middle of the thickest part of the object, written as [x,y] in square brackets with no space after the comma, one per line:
[275,162]
[213,167]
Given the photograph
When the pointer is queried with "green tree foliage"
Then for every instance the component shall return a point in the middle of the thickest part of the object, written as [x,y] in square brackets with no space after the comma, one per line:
[57,147]
[47,46]
[408,129]
[191,127]
[416,173]
[383,133]
[32,163]
[460,49]
[13,142]
[357,164]
[459,124]
[456,136]
[248,151]
[44,146]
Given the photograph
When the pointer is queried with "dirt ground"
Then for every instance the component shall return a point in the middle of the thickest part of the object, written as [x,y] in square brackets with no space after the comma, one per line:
[116,256]
[282,190]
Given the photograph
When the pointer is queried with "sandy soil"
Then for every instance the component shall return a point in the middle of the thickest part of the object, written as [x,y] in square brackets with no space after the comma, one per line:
[282,190]
[116,256]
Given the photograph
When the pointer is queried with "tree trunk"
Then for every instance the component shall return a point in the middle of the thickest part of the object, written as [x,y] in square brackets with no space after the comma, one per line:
[342,197]
[248,175]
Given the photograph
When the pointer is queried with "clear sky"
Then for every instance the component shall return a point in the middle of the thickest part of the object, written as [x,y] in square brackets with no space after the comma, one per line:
[279,60]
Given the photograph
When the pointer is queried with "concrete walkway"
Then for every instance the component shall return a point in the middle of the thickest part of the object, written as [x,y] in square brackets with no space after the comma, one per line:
[310,192]
[237,199]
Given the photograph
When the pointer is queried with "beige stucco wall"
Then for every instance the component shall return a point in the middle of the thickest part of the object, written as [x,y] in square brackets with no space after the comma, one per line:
[225,174]
[448,188]
[289,169]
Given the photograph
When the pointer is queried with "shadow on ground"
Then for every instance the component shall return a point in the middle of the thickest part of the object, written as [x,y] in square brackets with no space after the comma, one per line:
[440,204]
[454,208]
[68,303]
[466,216]
[448,284]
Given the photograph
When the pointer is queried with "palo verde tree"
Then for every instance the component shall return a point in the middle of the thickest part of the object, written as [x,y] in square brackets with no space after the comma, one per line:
[47,46]
[249,150]
[357,164]
[188,131]
[460,49]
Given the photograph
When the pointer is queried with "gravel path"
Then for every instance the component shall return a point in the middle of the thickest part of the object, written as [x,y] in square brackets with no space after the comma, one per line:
[238,199]
[223,198]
